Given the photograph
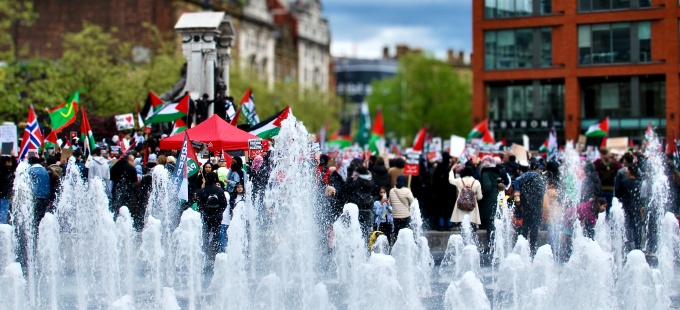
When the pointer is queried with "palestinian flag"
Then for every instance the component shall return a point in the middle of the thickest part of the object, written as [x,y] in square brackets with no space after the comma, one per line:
[86,134]
[170,111]
[51,141]
[544,147]
[248,107]
[419,141]
[598,130]
[270,127]
[479,130]
[377,141]
[193,166]
[187,166]
[362,136]
[342,138]
[488,138]
[180,126]
[64,114]
[151,105]
[234,121]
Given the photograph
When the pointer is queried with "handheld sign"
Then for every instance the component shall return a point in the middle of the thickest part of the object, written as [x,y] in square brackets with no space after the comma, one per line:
[412,167]
[125,121]
[255,144]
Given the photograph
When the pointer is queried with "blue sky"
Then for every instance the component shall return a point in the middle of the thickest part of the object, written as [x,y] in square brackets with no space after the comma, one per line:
[362,27]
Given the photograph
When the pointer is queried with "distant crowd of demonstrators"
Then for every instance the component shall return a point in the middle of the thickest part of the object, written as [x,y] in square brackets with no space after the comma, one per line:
[540,195]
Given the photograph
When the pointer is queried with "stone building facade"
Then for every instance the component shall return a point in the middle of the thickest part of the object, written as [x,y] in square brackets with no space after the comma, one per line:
[276,39]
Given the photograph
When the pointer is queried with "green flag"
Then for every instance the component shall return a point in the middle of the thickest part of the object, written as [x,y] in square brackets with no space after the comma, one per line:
[64,114]
[363,132]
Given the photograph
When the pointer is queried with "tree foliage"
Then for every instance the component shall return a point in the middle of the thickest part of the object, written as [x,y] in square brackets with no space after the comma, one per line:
[96,61]
[424,92]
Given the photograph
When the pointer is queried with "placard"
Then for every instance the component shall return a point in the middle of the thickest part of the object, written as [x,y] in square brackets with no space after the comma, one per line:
[255,144]
[411,169]
[65,155]
[436,145]
[125,121]
[8,134]
[620,144]
[520,152]
[115,150]
[457,146]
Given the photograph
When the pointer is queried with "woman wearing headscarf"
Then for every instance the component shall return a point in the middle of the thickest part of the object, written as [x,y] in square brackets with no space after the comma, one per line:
[401,198]
[200,181]
[591,187]
[235,175]
[466,182]
[489,175]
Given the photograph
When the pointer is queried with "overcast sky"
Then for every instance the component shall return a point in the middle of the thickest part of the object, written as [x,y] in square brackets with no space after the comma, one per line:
[362,28]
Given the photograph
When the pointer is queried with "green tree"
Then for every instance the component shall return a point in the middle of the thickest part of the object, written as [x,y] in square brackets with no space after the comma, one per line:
[12,78]
[96,61]
[424,92]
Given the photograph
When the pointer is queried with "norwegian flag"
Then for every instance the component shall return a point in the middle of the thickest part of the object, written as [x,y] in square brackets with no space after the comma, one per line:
[33,138]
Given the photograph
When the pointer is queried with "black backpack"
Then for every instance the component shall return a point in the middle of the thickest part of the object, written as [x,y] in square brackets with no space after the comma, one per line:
[213,202]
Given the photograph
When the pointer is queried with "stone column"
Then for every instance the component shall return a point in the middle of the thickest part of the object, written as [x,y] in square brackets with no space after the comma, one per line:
[209,77]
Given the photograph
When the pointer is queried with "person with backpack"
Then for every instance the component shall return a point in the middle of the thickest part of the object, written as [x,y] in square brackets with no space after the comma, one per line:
[469,192]
[360,192]
[211,204]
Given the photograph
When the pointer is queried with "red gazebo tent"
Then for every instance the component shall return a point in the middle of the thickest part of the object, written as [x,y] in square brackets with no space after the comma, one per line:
[217,134]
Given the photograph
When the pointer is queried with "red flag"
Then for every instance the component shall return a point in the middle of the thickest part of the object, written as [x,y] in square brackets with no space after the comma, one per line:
[488,138]
[234,121]
[32,139]
[419,141]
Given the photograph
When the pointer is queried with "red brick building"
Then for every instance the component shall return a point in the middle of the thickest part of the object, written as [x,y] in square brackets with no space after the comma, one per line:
[576,62]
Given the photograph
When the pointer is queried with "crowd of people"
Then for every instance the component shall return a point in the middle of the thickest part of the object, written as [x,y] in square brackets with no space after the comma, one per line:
[536,193]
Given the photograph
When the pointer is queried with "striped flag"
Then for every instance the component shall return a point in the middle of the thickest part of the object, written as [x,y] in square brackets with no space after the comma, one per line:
[170,111]
[270,127]
[180,126]
[86,134]
[249,111]
[32,139]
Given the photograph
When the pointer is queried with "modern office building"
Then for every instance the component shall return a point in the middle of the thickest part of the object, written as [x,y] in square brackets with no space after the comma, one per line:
[354,77]
[576,62]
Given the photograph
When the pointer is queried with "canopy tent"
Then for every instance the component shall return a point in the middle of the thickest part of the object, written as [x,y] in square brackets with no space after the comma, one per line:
[216,133]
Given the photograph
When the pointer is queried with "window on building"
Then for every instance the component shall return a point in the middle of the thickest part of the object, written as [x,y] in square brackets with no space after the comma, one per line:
[623,97]
[607,5]
[516,8]
[526,100]
[614,43]
[518,48]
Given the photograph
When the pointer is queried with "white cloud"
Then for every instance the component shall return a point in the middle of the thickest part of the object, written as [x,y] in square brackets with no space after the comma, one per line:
[390,36]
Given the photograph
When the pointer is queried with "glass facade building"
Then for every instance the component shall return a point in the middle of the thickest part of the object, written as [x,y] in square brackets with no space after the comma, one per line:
[518,48]
[627,42]
[579,62]
[516,8]
[607,5]
[526,100]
